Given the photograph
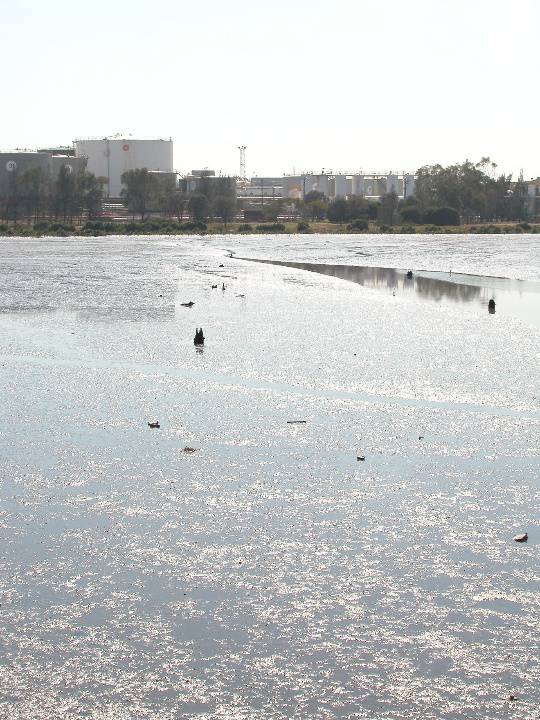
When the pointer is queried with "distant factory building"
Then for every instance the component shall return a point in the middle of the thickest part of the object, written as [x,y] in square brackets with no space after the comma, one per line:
[110,157]
[190,183]
[532,203]
[58,150]
[343,185]
[208,183]
[261,188]
[15,163]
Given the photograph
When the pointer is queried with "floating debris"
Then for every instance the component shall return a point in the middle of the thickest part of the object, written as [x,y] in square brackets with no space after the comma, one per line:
[199,337]
[491,306]
[222,265]
[240,295]
[521,538]
[420,437]
[188,304]
[361,457]
[188,449]
[296,422]
[214,287]
[409,274]
[153,424]
[223,286]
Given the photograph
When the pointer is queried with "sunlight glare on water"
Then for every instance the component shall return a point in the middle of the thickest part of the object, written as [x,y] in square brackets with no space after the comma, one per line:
[268,573]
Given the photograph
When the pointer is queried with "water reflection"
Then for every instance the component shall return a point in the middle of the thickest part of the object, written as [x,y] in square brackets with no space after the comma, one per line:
[393,279]
[514,297]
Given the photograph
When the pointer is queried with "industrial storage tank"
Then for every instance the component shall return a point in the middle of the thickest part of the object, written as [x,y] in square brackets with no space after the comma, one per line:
[72,164]
[110,157]
[15,163]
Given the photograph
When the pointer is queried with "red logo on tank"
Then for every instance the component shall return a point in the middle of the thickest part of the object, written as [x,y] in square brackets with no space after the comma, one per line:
[125,147]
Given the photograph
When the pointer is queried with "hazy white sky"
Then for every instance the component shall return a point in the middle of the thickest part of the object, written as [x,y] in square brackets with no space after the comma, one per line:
[305,84]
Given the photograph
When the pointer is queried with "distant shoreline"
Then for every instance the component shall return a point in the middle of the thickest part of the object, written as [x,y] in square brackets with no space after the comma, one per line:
[163,226]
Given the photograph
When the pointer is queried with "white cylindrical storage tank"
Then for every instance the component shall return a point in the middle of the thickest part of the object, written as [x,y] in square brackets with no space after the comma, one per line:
[408,185]
[341,186]
[111,157]
[358,185]
[322,185]
[392,183]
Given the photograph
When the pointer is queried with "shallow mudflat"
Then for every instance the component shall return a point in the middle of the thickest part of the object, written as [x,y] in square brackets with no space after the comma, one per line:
[268,574]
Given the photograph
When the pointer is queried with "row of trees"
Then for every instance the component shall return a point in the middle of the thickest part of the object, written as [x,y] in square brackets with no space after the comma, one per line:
[443,196]
[474,191]
[463,192]
[35,194]
[213,196]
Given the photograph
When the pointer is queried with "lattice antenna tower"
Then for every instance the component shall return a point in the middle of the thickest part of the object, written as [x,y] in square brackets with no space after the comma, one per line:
[242,149]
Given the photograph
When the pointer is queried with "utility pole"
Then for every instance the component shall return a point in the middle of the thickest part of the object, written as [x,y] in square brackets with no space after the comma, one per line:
[242,149]
[108,153]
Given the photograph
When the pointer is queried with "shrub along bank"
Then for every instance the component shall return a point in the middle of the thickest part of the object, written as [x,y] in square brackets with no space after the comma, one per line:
[162,226]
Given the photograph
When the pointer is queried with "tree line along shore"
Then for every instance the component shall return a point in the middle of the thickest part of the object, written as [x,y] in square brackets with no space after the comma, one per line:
[467,197]
[162,226]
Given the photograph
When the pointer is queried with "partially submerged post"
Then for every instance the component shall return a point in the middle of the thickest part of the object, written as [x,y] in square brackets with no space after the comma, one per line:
[491,306]
[199,337]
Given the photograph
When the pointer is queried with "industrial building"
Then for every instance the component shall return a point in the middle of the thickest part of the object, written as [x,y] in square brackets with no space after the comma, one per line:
[110,157]
[190,183]
[261,187]
[342,185]
[533,198]
[16,162]
[208,183]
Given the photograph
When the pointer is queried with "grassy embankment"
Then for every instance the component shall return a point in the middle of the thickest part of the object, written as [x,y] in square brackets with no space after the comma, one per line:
[164,226]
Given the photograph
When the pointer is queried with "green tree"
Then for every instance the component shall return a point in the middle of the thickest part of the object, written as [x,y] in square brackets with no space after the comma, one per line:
[516,201]
[176,203]
[140,188]
[358,207]
[338,211]
[441,216]
[224,206]
[313,195]
[388,208]
[411,213]
[351,208]
[199,207]
[474,190]
[314,206]
[33,189]
[212,187]
[90,192]
[64,195]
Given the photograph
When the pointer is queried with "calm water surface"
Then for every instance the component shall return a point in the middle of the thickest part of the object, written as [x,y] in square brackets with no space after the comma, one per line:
[514,298]
[268,574]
